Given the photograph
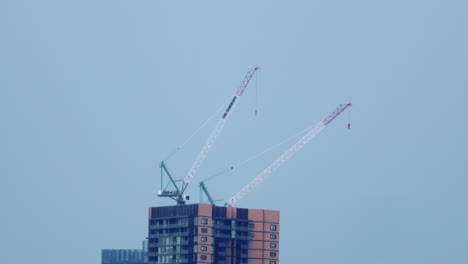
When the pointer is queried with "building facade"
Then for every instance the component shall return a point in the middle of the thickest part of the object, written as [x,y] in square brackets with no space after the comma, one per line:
[202,233]
[125,256]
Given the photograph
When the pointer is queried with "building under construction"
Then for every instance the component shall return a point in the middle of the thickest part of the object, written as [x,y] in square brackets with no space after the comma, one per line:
[203,233]
[206,233]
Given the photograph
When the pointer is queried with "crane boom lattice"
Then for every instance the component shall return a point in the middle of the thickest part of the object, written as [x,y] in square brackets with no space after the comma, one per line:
[217,130]
[288,154]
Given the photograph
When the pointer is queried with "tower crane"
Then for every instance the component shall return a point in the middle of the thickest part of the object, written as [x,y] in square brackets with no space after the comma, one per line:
[288,154]
[178,193]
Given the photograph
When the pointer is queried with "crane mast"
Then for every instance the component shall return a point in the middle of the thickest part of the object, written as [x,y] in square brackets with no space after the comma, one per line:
[288,154]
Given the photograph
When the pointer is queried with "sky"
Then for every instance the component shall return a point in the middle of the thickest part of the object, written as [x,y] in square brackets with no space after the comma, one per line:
[94,94]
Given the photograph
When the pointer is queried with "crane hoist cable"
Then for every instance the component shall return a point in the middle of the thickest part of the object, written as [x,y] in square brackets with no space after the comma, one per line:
[178,193]
[217,130]
[288,154]
[253,157]
[196,131]
[202,184]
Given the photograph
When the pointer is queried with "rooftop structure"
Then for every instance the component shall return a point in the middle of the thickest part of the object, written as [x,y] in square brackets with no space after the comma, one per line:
[125,256]
[203,233]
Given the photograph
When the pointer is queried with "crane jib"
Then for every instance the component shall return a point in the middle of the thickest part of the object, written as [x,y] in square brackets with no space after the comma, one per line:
[229,107]
[178,193]
[288,154]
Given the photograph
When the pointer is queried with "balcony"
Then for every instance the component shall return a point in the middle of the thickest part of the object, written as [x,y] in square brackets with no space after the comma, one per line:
[243,228]
[239,237]
[223,227]
[227,236]
[221,244]
[167,226]
[179,234]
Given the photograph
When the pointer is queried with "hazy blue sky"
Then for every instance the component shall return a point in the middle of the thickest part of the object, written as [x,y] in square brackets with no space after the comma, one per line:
[93,94]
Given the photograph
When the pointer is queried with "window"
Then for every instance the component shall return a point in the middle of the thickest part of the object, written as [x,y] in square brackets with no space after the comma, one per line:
[273,245]
[204,257]
[272,236]
[251,234]
[273,227]
[204,239]
[251,225]
[204,221]
[203,248]
[204,230]
[272,254]
[272,262]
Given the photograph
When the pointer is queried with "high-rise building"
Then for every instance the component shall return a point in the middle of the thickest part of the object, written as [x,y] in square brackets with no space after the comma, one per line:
[125,256]
[202,233]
